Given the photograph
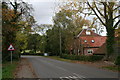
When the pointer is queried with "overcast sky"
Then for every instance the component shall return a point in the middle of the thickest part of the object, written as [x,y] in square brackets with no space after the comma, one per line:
[44,10]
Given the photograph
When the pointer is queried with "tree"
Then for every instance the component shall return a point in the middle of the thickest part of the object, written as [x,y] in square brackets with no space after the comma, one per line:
[52,41]
[12,14]
[21,41]
[65,28]
[34,42]
[106,13]
[69,20]
[41,29]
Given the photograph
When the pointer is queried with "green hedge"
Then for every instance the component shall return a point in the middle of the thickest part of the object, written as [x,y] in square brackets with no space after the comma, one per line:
[82,57]
[117,61]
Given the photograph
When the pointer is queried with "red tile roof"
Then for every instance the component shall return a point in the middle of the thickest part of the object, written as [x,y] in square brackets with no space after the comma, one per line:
[98,40]
[83,33]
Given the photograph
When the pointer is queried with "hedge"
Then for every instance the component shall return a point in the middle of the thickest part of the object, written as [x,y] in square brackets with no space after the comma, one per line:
[117,61]
[82,57]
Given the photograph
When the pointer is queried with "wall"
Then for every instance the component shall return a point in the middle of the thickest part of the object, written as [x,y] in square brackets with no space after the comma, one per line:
[85,50]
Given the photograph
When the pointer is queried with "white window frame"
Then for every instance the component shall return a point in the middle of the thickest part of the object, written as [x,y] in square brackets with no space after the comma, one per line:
[92,41]
[89,51]
[85,41]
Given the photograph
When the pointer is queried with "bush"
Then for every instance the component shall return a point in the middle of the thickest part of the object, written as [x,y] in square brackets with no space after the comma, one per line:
[117,61]
[31,52]
[95,58]
[82,57]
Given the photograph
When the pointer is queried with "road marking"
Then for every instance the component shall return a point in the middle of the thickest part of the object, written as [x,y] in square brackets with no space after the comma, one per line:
[64,78]
[76,77]
[80,76]
[53,65]
[61,68]
[70,77]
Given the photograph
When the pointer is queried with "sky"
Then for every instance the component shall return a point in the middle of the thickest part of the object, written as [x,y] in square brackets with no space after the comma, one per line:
[44,10]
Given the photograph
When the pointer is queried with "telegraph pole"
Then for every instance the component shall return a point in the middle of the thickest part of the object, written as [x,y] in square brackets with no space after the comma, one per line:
[60,43]
[119,13]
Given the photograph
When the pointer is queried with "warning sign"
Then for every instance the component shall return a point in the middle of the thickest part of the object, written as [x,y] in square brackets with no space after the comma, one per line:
[11,48]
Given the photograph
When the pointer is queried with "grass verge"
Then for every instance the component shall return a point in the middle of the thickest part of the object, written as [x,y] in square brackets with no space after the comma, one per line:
[8,69]
[113,68]
[60,59]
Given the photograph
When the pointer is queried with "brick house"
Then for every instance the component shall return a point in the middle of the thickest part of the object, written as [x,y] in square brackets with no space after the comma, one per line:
[90,43]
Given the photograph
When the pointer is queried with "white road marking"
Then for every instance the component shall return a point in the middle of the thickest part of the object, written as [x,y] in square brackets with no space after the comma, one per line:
[62,78]
[50,64]
[76,77]
[61,68]
[79,76]
[70,77]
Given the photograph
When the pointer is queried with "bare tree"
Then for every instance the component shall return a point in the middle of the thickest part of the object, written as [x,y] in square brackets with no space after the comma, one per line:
[107,14]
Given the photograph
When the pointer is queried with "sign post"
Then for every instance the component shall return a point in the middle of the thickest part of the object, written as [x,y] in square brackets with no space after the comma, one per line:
[11,48]
[11,57]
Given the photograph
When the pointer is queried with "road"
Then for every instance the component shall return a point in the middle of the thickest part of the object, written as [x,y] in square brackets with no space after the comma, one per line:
[50,68]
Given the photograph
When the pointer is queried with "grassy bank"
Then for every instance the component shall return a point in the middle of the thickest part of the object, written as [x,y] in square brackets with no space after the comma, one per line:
[58,58]
[113,68]
[8,69]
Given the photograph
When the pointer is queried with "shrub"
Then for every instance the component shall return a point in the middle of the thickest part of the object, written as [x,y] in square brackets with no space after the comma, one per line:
[82,57]
[117,61]
[31,52]
[95,58]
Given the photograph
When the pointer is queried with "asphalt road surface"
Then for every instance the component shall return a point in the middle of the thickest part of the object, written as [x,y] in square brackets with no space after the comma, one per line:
[50,68]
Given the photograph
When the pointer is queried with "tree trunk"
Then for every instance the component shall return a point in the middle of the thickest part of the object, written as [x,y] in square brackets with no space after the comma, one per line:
[110,41]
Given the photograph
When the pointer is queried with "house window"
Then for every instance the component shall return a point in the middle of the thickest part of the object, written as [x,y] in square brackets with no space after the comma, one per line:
[85,41]
[89,51]
[92,41]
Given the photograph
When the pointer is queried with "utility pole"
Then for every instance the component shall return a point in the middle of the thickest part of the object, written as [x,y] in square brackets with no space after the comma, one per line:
[60,27]
[119,12]
[60,41]
[118,27]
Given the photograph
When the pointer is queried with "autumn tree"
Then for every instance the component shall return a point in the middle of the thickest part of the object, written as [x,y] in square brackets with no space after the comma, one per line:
[66,27]
[70,20]
[12,14]
[21,41]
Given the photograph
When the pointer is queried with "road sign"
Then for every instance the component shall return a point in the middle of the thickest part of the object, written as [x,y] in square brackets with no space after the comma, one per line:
[11,48]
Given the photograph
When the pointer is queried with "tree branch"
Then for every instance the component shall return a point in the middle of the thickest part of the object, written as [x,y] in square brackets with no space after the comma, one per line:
[116,8]
[98,10]
[116,17]
[105,10]
[117,24]
[12,4]
[96,14]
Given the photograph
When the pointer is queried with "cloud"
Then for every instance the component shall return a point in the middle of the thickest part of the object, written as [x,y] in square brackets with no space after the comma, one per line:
[44,11]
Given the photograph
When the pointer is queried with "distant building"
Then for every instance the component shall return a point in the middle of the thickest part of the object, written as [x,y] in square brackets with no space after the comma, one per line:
[90,43]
